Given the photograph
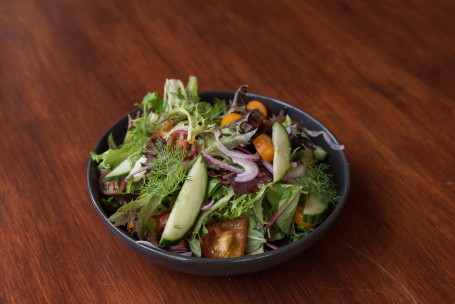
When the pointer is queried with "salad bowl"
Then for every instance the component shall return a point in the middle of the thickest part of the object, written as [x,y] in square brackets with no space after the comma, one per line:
[339,168]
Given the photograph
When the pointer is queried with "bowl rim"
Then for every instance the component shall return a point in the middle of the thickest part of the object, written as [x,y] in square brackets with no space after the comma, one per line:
[267,255]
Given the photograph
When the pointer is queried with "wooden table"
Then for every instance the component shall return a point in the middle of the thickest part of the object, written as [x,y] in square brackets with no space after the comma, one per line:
[379,74]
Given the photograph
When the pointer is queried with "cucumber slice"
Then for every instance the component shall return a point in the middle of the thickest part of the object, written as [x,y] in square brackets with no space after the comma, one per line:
[188,204]
[307,157]
[320,154]
[122,170]
[282,151]
[315,211]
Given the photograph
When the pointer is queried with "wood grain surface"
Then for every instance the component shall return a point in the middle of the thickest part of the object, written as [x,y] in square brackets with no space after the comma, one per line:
[379,74]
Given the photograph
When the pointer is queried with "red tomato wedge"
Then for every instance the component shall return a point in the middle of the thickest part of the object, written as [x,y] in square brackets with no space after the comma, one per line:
[225,239]
[179,138]
[112,187]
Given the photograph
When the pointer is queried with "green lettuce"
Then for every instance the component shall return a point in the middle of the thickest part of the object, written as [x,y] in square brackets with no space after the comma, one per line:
[111,158]
[277,197]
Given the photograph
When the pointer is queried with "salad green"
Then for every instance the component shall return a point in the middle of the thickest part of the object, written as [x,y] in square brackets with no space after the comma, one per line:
[214,179]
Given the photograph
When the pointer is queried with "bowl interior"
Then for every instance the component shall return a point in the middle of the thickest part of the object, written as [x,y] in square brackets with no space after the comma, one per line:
[339,168]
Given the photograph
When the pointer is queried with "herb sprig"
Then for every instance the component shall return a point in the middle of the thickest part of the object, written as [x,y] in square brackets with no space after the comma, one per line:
[318,182]
[137,139]
[165,171]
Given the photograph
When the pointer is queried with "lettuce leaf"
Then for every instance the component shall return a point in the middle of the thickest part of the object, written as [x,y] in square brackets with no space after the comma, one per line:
[277,197]
[111,158]
[183,105]
[240,205]
[255,239]
[206,142]
[153,102]
[139,210]
[196,235]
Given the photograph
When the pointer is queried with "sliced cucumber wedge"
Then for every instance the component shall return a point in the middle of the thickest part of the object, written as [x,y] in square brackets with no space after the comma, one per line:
[121,171]
[315,211]
[188,204]
[320,154]
[282,151]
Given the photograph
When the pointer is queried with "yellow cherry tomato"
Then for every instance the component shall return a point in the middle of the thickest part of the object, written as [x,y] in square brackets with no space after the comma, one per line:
[298,217]
[254,104]
[264,145]
[229,118]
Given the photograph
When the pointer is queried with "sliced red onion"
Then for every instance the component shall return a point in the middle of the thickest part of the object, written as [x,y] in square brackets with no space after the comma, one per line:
[277,215]
[327,139]
[235,154]
[207,206]
[221,164]
[178,249]
[271,246]
[181,250]
[295,172]
[267,165]
[243,150]
[137,172]
[243,159]
[147,244]
[224,182]
[217,134]
[164,212]
[251,170]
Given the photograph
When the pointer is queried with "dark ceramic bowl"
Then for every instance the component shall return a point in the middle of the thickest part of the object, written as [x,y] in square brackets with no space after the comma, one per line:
[339,167]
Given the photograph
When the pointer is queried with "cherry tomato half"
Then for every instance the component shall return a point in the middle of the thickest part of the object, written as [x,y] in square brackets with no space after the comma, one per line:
[254,104]
[225,239]
[264,145]
[112,187]
[160,223]
[229,118]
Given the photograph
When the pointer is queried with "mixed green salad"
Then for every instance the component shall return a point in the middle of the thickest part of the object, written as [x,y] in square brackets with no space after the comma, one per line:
[214,179]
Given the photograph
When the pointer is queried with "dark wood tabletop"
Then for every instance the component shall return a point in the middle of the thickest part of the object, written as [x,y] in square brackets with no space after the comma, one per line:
[379,74]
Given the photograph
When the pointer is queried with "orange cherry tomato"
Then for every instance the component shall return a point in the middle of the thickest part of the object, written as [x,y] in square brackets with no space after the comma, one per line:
[298,217]
[183,244]
[229,118]
[225,239]
[254,104]
[264,145]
